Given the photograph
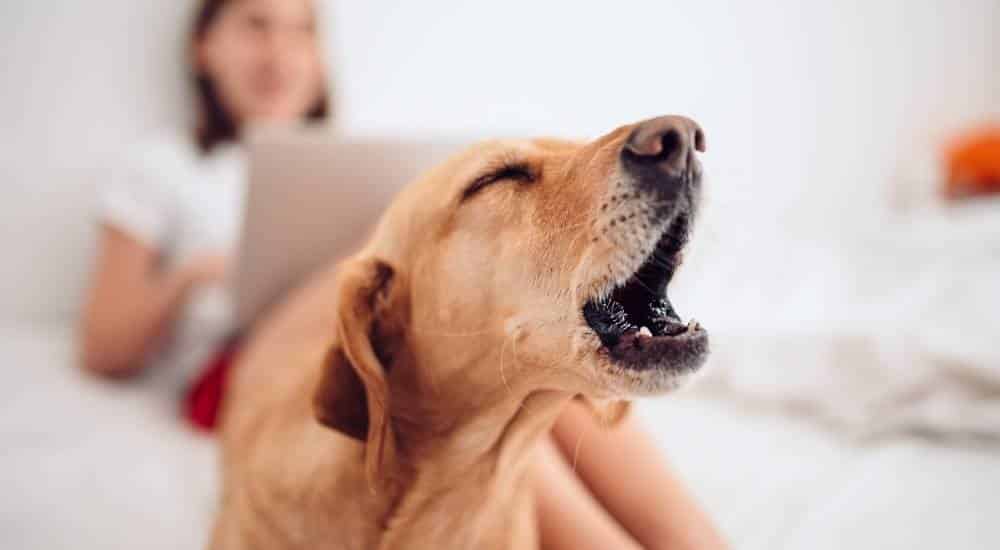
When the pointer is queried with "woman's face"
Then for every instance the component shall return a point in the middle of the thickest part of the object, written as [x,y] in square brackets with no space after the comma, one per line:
[263,59]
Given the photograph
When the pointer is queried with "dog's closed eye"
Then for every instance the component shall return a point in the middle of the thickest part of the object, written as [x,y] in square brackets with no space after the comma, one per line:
[518,172]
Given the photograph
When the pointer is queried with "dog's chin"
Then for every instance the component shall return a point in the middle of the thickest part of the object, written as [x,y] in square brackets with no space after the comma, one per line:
[661,365]
[648,366]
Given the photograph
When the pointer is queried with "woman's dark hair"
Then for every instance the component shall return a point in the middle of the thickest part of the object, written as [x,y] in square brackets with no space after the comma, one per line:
[216,125]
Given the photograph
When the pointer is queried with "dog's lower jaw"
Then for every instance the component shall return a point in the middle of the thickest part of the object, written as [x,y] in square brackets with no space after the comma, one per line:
[494,476]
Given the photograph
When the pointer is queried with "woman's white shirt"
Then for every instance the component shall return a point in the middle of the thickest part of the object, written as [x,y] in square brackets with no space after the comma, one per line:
[170,196]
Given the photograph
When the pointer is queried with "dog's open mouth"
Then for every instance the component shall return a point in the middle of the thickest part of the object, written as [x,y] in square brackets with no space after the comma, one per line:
[636,322]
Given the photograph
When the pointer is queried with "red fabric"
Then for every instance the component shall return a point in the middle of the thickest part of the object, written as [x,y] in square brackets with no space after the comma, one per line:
[974,164]
[204,398]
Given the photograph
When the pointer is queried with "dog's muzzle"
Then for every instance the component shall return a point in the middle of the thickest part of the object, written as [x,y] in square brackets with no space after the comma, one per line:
[635,321]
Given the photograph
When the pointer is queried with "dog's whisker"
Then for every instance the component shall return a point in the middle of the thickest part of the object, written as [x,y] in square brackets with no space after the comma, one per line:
[565,366]
[567,255]
[451,333]
[503,377]
[643,285]
[513,349]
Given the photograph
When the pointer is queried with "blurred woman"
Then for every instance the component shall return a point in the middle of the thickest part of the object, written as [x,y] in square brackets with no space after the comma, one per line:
[169,222]
[168,226]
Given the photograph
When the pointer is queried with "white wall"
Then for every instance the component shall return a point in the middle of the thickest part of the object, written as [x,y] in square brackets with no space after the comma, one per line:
[78,80]
[815,97]
[828,101]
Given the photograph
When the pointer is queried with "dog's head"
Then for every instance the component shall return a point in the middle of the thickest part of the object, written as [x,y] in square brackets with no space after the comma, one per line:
[522,266]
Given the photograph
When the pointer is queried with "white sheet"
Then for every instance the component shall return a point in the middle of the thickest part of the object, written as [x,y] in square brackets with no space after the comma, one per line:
[88,464]
[92,465]
[780,483]
[894,330]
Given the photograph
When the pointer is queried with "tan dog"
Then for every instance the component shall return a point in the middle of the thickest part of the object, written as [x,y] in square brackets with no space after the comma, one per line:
[504,283]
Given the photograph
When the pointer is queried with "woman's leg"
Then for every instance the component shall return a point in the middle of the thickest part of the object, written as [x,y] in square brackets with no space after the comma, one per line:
[569,518]
[623,468]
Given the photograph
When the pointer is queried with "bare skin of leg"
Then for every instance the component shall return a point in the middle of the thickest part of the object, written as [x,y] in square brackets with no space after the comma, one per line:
[569,516]
[622,473]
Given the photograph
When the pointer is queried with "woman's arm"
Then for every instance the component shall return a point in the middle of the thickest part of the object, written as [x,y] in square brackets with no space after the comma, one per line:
[625,471]
[131,304]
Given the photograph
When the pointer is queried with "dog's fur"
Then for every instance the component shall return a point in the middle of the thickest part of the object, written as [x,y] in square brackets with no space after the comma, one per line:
[396,400]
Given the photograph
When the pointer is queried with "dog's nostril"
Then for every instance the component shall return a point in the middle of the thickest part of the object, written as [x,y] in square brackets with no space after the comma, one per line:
[653,146]
[668,142]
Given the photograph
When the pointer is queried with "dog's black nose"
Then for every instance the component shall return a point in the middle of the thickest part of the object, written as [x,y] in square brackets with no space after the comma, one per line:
[664,146]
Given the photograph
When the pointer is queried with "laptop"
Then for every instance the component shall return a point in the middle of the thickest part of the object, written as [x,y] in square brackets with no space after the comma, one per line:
[314,197]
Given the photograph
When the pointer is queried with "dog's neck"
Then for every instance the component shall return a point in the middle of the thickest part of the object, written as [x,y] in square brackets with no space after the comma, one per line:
[458,478]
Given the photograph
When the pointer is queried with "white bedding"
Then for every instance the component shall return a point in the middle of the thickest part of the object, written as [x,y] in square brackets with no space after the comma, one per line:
[93,465]
[87,464]
[885,329]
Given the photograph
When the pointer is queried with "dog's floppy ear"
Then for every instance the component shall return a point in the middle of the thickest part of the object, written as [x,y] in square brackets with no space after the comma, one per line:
[607,412]
[353,393]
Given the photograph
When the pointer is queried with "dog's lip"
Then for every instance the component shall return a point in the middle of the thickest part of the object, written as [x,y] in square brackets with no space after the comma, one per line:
[684,352]
[643,337]
[682,349]
[639,339]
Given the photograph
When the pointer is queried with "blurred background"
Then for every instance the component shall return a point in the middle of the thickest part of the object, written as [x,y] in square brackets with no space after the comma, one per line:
[854,398]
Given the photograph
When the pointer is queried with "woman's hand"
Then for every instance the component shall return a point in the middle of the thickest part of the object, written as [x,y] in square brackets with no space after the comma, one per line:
[203,270]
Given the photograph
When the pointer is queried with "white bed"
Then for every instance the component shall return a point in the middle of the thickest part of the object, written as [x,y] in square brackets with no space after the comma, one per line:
[777,441]
[88,464]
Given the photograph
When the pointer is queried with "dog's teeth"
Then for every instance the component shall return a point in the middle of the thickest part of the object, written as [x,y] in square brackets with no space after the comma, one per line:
[644,331]
[693,325]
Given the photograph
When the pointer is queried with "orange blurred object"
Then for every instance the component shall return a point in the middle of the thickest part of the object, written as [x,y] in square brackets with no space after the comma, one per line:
[974,164]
